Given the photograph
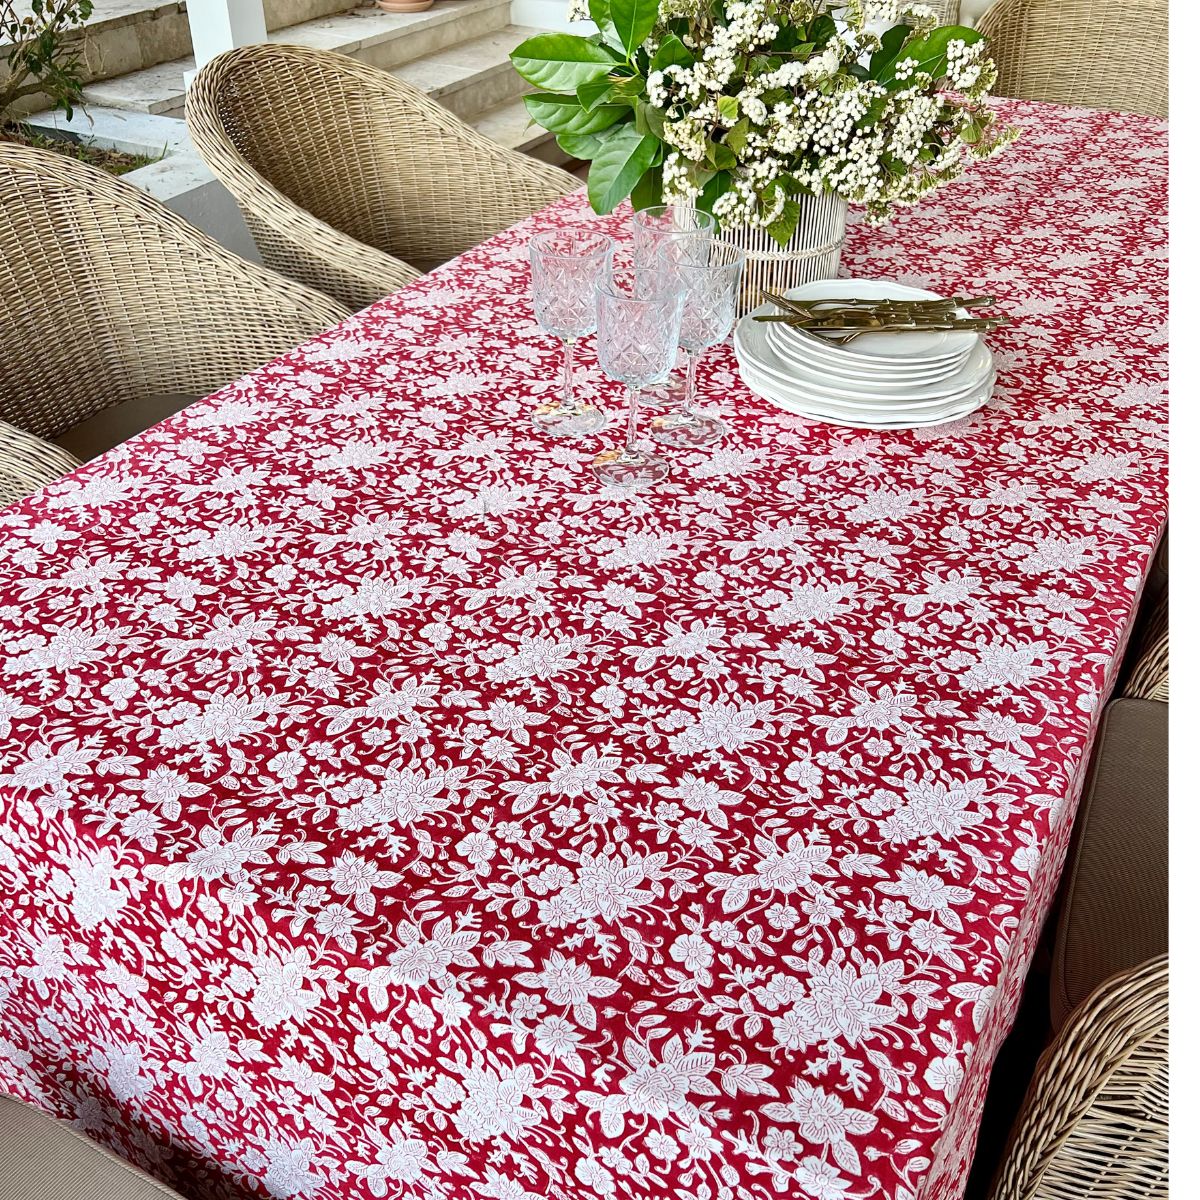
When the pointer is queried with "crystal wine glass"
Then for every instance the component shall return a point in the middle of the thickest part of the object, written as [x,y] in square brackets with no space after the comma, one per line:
[564,266]
[709,275]
[651,227]
[637,332]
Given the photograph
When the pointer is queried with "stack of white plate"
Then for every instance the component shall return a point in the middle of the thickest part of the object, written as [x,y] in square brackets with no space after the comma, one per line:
[876,381]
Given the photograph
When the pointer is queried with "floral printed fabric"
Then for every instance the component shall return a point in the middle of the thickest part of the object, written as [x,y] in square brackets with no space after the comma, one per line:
[385,810]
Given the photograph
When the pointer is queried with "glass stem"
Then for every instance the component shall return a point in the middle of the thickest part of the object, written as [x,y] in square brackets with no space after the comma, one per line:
[631,446]
[568,374]
[690,358]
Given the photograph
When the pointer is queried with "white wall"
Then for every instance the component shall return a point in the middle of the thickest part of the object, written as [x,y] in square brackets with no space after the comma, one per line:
[547,14]
[970,11]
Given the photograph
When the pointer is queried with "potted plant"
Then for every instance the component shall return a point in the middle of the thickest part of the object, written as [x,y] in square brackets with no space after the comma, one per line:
[770,114]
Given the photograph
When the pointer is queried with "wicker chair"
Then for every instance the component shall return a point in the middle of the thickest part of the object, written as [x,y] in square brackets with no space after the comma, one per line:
[946,10]
[1094,1123]
[1095,53]
[107,298]
[351,180]
[1150,678]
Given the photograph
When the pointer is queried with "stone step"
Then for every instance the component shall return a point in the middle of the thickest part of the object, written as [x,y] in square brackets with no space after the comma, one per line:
[385,40]
[132,35]
[473,76]
[143,133]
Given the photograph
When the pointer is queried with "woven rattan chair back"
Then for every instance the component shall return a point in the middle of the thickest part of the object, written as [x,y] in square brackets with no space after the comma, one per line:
[1150,677]
[106,296]
[1095,53]
[350,179]
[945,10]
[1094,1123]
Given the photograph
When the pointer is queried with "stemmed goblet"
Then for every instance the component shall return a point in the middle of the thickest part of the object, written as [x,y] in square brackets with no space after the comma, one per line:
[564,267]
[709,275]
[637,333]
[651,227]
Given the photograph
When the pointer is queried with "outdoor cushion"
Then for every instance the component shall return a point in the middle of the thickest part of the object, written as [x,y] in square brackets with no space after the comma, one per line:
[45,1159]
[113,425]
[1114,899]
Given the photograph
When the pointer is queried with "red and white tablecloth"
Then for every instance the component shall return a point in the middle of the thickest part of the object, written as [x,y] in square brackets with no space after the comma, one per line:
[385,810]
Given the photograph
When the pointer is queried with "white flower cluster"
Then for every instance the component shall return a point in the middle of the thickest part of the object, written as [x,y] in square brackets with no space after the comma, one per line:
[967,66]
[810,120]
[890,12]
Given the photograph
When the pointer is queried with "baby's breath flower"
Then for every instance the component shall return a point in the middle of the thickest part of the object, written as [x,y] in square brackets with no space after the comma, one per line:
[807,119]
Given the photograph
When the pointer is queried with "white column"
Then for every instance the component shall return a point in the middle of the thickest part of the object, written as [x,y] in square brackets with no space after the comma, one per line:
[220,25]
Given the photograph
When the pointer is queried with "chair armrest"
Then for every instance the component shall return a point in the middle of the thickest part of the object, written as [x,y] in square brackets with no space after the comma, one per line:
[205,316]
[1151,678]
[300,246]
[1103,1078]
[28,463]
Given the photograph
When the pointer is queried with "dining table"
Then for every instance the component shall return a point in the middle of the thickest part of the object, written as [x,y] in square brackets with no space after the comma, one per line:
[388,809]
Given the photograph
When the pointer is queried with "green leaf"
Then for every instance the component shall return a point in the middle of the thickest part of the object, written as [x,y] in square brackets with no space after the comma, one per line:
[648,190]
[591,94]
[727,106]
[883,61]
[649,119]
[580,145]
[561,62]
[823,28]
[564,114]
[930,53]
[783,228]
[874,112]
[671,52]
[720,156]
[736,137]
[633,20]
[623,160]
[600,13]
[655,120]
[628,88]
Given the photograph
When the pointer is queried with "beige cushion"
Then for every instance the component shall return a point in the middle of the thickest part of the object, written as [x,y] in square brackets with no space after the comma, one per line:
[112,426]
[45,1159]
[1114,901]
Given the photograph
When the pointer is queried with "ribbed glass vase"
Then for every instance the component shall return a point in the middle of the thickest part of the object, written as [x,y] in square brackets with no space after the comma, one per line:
[814,251]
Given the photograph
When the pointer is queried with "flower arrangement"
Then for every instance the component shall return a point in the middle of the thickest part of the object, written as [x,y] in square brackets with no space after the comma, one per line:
[741,106]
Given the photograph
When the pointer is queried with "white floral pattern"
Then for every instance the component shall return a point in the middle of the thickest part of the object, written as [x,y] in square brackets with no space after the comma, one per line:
[387,811]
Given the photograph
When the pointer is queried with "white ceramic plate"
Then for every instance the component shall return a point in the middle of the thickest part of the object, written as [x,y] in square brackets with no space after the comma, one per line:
[895,348]
[883,374]
[752,349]
[833,415]
[900,417]
[887,378]
[806,347]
